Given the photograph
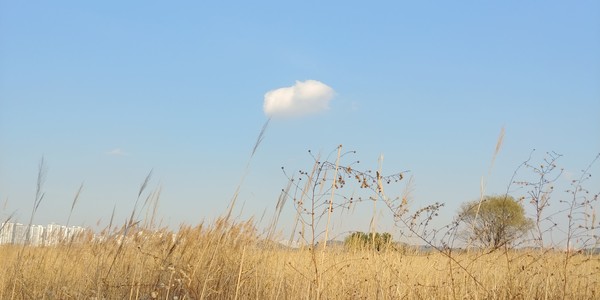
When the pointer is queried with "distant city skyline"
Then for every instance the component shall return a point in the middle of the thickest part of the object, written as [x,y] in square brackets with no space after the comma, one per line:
[38,235]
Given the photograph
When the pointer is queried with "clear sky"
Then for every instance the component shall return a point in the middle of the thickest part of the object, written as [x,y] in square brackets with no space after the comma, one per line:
[107,91]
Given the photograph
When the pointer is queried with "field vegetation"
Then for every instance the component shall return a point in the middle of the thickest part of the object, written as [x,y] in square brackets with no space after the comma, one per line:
[234,259]
[228,260]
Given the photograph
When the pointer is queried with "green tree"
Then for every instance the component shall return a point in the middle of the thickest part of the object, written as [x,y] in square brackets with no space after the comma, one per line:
[361,240]
[495,222]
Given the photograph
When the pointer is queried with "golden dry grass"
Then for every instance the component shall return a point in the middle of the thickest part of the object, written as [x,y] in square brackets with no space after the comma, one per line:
[228,261]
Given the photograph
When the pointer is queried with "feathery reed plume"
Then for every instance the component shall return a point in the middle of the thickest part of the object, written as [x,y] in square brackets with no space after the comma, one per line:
[75,199]
[259,140]
[7,220]
[407,195]
[39,195]
[483,184]
[152,207]
[112,218]
[129,223]
[142,188]
[278,209]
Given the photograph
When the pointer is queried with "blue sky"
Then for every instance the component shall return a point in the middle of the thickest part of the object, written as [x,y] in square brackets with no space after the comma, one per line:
[108,91]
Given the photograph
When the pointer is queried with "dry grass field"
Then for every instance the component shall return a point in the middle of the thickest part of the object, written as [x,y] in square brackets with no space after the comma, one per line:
[228,260]
[232,259]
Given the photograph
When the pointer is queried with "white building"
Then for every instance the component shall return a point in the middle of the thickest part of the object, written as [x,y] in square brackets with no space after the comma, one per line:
[7,231]
[55,234]
[19,233]
[36,235]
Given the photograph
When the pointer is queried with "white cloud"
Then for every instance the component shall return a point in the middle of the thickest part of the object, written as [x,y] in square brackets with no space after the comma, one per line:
[303,98]
[117,152]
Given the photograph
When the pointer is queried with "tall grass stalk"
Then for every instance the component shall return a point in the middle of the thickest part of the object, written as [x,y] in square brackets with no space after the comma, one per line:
[259,140]
[483,183]
[75,199]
